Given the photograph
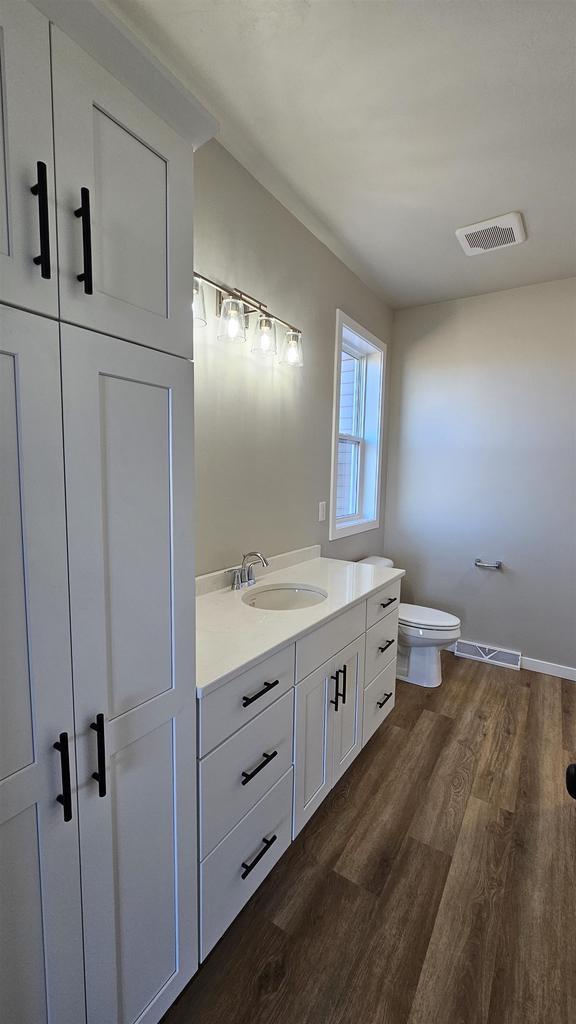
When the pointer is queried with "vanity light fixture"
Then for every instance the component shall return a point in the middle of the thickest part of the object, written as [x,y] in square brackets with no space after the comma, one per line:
[234,308]
[199,304]
[264,336]
[291,352]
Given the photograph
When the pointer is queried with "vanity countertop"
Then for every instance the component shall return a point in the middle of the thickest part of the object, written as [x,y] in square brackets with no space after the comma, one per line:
[231,636]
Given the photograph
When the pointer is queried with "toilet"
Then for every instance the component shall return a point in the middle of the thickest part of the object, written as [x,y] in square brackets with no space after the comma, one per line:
[422,633]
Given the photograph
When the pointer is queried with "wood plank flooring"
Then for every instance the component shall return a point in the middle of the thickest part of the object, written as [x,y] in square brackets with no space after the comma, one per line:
[435,885]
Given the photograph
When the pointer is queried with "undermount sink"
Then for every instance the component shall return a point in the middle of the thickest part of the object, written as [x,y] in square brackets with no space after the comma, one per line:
[283,597]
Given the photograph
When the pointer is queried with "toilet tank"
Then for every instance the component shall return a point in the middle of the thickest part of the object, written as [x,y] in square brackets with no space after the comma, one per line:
[385,563]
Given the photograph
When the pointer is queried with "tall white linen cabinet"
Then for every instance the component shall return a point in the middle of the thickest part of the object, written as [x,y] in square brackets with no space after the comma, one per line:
[98,873]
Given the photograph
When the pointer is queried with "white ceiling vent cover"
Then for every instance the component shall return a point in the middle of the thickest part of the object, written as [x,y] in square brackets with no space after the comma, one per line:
[498,233]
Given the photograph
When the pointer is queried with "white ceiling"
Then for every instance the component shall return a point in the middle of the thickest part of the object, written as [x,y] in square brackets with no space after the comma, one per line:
[386,124]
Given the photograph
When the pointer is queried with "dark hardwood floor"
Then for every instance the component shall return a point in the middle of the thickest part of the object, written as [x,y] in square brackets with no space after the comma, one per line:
[435,885]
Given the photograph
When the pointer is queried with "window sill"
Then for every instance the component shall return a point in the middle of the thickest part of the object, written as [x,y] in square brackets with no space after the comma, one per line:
[352,526]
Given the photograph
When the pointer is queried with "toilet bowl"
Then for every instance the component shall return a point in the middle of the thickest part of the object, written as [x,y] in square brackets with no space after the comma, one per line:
[422,633]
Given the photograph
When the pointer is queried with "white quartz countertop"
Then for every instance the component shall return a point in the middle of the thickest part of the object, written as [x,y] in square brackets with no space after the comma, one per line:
[231,636]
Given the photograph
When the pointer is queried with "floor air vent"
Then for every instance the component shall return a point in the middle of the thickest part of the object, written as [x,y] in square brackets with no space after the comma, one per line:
[495,655]
[498,233]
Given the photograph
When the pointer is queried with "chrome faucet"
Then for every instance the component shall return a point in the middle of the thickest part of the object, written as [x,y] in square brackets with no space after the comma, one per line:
[243,575]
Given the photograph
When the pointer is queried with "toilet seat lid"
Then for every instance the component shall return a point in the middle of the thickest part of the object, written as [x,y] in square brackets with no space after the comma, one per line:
[427,618]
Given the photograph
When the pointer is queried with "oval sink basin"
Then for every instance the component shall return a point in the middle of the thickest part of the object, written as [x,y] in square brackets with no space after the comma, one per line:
[283,597]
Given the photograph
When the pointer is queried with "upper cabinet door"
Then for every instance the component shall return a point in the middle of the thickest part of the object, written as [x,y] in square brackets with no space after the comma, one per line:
[128,437]
[124,208]
[41,962]
[28,267]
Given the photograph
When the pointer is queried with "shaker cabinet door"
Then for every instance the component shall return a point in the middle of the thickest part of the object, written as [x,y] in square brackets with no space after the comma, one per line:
[313,724]
[28,266]
[128,435]
[41,962]
[124,208]
[348,718]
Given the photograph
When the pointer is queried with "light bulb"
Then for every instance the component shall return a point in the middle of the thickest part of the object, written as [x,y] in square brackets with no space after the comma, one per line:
[264,337]
[292,356]
[291,353]
[233,325]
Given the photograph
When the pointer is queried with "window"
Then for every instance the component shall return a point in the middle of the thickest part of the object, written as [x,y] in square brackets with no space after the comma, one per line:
[359,385]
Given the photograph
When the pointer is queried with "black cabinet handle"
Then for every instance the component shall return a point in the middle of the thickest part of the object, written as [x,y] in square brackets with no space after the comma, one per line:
[247,776]
[386,604]
[386,646]
[385,699]
[40,189]
[344,683]
[250,867]
[65,797]
[83,211]
[246,701]
[571,780]
[337,694]
[100,775]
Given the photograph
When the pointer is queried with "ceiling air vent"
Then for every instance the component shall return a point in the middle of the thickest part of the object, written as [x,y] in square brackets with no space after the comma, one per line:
[498,233]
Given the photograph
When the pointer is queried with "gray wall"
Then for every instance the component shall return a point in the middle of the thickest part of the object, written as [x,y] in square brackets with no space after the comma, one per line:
[263,435]
[482,462]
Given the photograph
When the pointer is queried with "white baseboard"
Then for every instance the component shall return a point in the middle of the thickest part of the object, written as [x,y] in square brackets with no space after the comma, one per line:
[548,668]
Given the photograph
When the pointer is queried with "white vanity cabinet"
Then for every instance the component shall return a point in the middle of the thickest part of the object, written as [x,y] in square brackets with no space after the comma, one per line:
[28,258]
[275,739]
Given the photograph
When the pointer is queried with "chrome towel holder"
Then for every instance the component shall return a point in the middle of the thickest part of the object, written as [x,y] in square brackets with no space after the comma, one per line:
[481,564]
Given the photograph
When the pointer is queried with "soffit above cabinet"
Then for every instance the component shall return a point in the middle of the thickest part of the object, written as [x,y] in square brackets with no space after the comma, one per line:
[108,41]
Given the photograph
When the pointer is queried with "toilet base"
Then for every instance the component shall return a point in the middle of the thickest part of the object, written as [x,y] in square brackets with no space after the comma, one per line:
[419,665]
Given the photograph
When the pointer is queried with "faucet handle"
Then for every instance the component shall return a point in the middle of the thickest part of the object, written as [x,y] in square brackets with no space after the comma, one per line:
[236,574]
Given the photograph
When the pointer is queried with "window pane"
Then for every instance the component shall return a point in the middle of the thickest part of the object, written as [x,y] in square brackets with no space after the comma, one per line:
[349,394]
[347,481]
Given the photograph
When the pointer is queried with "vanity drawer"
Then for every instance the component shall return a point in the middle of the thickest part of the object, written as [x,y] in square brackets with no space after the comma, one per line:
[381,643]
[382,603]
[248,851]
[237,775]
[374,710]
[315,648]
[237,702]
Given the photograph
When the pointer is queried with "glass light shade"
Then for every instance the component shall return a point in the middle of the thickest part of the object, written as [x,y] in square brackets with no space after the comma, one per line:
[264,337]
[232,326]
[291,354]
[199,304]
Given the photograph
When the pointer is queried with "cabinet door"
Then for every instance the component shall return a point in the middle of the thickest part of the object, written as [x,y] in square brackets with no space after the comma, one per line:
[347,730]
[41,965]
[26,142]
[131,174]
[128,437]
[313,724]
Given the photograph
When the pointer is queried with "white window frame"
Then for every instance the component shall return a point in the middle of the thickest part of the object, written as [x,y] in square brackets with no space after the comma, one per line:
[353,338]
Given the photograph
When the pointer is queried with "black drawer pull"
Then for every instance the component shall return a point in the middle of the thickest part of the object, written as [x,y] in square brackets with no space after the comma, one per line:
[65,797]
[386,646]
[344,682]
[246,776]
[250,867]
[246,701]
[386,604]
[386,698]
[40,189]
[83,211]
[100,775]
